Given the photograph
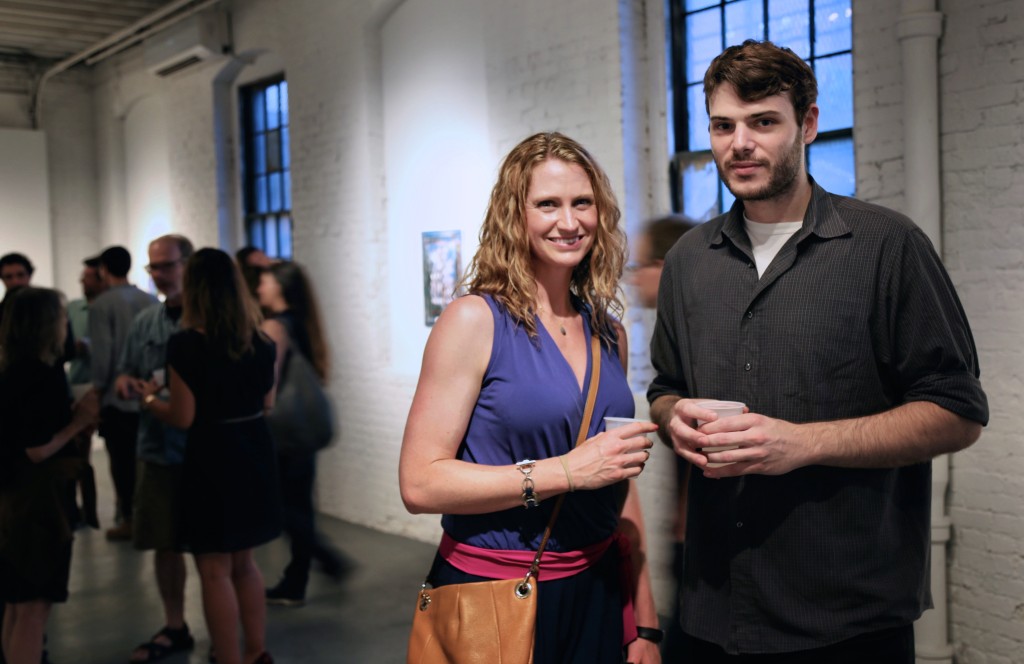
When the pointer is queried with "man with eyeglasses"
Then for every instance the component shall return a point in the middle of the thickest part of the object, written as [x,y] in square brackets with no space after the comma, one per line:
[160,449]
[110,318]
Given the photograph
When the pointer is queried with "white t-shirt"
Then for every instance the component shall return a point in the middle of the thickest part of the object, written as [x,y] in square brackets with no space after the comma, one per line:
[767,239]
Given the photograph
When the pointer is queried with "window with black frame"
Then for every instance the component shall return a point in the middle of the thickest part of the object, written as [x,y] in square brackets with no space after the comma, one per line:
[819,31]
[266,172]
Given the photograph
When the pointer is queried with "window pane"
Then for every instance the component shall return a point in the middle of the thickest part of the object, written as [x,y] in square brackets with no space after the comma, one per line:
[273,151]
[285,158]
[835,92]
[832,165]
[284,102]
[273,108]
[744,20]
[259,154]
[257,111]
[788,25]
[284,227]
[692,5]
[698,134]
[832,26]
[286,190]
[261,194]
[703,42]
[700,188]
[255,234]
[275,192]
[270,231]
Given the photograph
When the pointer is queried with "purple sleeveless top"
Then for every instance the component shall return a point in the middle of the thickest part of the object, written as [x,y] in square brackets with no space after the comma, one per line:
[531,407]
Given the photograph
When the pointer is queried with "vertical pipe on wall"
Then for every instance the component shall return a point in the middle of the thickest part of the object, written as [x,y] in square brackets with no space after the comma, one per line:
[919,29]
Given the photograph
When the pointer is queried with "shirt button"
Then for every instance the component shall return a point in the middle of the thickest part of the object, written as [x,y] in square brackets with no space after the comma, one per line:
[750,314]
[746,367]
[739,524]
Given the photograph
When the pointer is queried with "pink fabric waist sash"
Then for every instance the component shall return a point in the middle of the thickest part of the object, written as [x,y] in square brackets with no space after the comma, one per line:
[511,564]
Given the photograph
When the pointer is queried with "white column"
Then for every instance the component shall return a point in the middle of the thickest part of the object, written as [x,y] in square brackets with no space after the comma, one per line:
[919,29]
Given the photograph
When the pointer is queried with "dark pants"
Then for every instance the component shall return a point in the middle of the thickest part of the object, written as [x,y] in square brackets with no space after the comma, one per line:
[890,646]
[672,647]
[119,431]
[298,474]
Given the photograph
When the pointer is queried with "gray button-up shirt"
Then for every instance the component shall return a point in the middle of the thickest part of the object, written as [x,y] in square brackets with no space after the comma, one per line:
[854,316]
[110,316]
[145,350]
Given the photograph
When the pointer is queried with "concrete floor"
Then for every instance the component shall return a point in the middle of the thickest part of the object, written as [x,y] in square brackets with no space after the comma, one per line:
[365,618]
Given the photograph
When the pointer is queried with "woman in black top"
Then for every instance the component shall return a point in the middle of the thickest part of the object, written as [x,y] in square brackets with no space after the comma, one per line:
[295,326]
[37,421]
[221,372]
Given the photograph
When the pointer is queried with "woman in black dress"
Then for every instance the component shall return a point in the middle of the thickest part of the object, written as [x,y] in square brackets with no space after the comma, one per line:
[37,421]
[221,371]
[294,324]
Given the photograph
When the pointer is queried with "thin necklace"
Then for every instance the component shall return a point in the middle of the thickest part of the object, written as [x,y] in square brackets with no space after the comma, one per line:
[561,327]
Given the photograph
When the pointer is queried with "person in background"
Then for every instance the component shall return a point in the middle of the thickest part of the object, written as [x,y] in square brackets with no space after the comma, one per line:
[110,317]
[160,451]
[836,324]
[15,271]
[657,237]
[220,369]
[500,399]
[78,315]
[37,421]
[295,327]
[252,261]
[80,378]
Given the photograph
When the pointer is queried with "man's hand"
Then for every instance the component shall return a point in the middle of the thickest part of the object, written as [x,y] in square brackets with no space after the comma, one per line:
[642,651]
[128,387]
[764,446]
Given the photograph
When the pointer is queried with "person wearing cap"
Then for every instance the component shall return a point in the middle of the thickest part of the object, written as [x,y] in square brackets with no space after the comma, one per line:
[110,318]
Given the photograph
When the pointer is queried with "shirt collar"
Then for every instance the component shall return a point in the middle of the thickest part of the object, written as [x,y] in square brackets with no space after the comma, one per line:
[821,219]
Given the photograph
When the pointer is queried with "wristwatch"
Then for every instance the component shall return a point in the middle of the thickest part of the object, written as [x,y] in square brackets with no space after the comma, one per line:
[650,634]
[150,398]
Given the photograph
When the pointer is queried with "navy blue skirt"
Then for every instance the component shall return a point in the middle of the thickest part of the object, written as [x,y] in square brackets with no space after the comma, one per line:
[579,618]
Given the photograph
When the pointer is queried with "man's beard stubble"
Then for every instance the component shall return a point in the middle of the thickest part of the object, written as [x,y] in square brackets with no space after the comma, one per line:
[781,179]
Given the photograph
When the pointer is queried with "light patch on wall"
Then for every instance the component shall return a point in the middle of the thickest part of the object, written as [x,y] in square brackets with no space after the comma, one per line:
[440,166]
[147,188]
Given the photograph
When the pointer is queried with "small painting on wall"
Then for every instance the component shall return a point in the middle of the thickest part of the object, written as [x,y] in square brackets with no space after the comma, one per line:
[441,270]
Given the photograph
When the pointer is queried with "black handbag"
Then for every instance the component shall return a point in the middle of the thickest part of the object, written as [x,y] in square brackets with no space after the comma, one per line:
[302,419]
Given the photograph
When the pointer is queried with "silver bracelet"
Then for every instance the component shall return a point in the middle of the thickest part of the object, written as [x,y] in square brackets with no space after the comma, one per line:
[530,496]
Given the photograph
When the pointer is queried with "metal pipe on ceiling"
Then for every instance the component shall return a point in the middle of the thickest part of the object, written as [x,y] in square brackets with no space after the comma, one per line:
[134,33]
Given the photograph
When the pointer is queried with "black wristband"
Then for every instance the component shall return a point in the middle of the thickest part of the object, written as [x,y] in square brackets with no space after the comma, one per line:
[650,634]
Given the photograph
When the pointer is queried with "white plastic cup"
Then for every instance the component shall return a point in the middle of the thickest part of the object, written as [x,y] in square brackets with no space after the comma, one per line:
[724,409]
[616,422]
[160,375]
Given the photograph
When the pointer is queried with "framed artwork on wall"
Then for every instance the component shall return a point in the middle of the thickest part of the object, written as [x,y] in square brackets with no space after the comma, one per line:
[441,270]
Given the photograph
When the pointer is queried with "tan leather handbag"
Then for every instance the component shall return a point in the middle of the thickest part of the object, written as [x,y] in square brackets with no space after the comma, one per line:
[488,622]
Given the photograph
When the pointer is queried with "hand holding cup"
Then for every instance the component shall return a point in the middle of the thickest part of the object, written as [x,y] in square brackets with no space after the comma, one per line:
[616,454]
[722,409]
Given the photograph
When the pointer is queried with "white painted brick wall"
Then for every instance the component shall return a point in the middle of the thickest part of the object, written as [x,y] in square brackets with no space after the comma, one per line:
[982,145]
[558,65]
[982,83]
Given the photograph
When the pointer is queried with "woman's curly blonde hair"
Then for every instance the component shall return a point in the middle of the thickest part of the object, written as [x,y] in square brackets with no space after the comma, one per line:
[502,265]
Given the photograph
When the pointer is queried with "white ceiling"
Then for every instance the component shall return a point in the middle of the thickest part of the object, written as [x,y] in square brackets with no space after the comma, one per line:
[51,30]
